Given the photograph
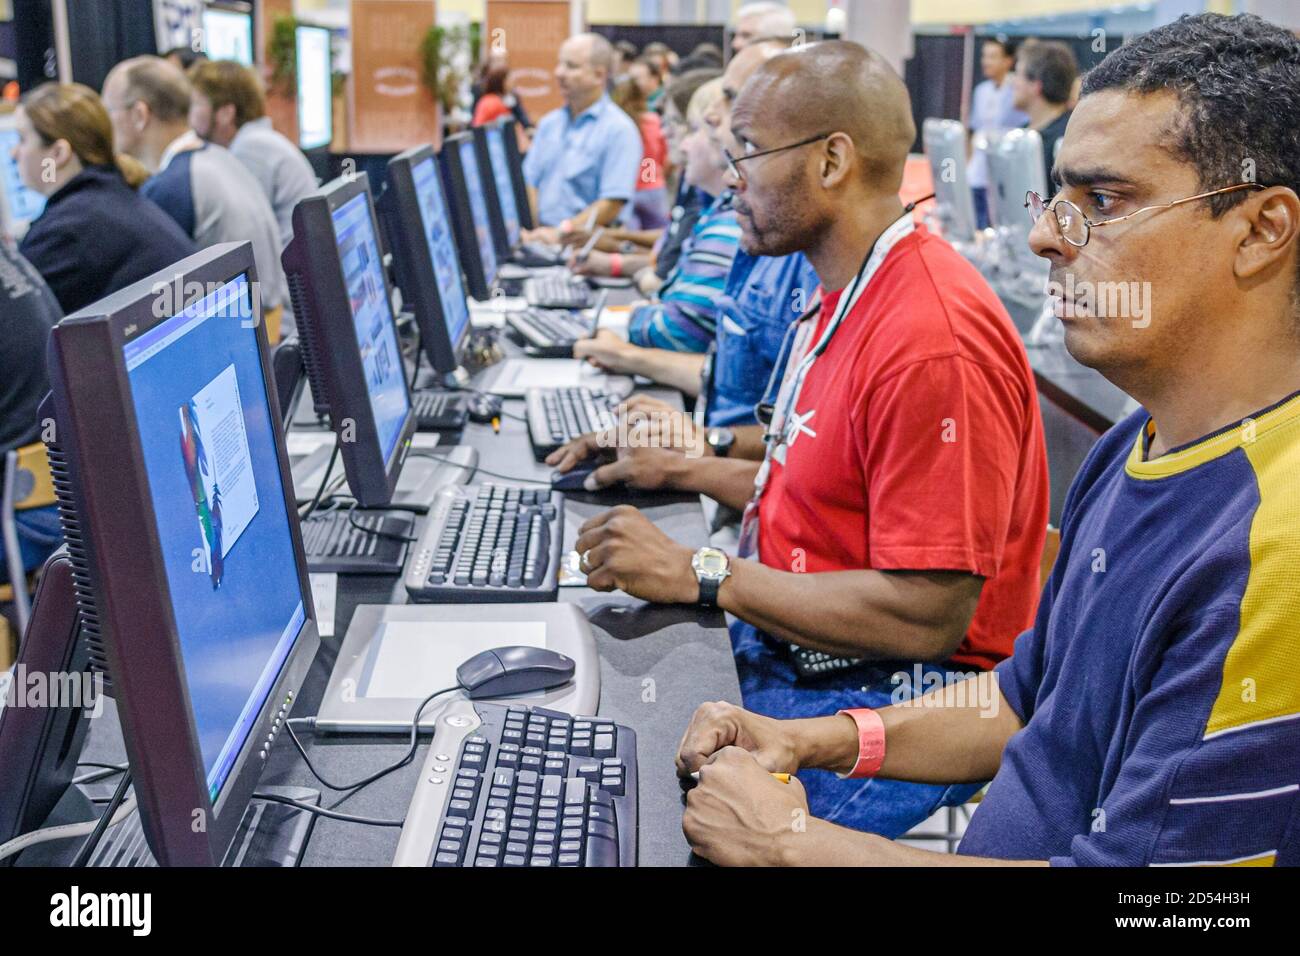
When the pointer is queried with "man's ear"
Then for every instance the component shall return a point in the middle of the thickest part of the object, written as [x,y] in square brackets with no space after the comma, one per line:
[837,157]
[1272,221]
[139,113]
[225,115]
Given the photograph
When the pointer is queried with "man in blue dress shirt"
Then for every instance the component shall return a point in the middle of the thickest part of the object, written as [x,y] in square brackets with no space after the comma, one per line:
[586,155]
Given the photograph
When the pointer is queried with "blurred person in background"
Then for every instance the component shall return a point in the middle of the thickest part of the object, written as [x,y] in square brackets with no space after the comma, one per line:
[650,204]
[991,113]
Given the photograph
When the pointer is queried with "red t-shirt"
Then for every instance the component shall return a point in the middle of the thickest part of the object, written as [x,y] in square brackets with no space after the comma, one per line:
[655,157]
[490,106]
[921,446]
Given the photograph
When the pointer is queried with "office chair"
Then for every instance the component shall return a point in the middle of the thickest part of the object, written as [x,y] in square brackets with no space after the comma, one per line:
[27,485]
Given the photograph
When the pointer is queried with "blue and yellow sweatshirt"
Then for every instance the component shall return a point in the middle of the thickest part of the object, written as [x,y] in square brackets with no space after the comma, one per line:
[1160,685]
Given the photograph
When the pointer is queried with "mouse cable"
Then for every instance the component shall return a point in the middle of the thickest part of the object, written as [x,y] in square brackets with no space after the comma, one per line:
[410,753]
[478,391]
[105,820]
[324,812]
[106,770]
[479,468]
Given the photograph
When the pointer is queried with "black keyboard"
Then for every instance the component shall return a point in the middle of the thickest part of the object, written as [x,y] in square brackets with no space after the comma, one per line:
[489,542]
[439,411]
[333,543]
[549,333]
[530,787]
[556,290]
[813,664]
[558,415]
[536,255]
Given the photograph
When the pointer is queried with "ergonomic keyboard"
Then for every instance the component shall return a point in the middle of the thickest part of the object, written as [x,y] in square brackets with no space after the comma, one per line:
[333,543]
[557,290]
[811,664]
[556,416]
[489,542]
[523,786]
[549,333]
[439,411]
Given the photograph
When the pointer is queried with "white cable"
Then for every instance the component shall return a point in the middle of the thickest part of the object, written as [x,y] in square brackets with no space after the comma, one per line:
[65,832]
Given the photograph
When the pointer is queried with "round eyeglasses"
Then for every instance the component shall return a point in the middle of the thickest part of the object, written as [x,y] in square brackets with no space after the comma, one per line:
[1076,228]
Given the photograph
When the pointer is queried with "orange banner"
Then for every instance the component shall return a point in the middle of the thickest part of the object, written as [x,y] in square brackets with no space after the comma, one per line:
[390,108]
[530,33]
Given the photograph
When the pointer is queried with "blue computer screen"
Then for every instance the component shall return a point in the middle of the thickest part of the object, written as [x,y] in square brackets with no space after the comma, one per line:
[500,164]
[207,433]
[478,210]
[24,204]
[354,231]
[442,248]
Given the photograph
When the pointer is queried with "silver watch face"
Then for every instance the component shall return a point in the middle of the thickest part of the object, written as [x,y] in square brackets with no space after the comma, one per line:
[710,562]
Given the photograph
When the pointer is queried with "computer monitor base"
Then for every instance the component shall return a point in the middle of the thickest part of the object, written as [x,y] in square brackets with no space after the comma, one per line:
[271,834]
[428,467]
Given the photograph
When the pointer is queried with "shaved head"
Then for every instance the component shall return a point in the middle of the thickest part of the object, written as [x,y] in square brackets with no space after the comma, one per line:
[787,96]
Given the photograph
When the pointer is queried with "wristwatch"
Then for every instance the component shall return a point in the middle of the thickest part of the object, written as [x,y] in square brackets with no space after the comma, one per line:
[711,568]
[720,440]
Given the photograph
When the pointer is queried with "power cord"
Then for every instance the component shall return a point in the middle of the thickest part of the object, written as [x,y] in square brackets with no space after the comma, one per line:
[105,819]
[324,483]
[323,812]
[377,532]
[66,831]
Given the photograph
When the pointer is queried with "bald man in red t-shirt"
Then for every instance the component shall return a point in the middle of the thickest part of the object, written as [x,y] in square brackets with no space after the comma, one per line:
[899,515]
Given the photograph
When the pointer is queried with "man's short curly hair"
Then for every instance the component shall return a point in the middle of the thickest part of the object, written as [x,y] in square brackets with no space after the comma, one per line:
[1237,79]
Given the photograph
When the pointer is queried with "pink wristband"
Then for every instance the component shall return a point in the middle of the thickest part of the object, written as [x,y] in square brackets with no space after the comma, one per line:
[871,742]
[615,264]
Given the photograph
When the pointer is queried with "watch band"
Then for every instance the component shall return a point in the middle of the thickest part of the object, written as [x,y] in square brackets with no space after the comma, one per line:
[871,742]
[709,591]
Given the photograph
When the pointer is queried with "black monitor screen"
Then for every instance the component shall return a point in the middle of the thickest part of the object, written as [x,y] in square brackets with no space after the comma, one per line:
[442,248]
[208,438]
[478,209]
[505,186]
[354,232]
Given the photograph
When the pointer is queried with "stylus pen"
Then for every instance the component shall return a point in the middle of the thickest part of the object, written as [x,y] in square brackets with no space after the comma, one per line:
[589,245]
[591,221]
[780,777]
[597,308]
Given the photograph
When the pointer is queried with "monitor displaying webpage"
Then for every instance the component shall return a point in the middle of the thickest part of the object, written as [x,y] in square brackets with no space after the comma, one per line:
[354,231]
[442,248]
[207,433]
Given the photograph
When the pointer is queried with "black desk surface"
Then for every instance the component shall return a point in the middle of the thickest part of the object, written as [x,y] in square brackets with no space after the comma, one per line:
[657,665]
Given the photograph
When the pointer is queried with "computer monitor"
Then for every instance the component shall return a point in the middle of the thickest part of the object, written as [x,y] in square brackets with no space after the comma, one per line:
[178,509]
[228,34]
[469,213]
[343,308]
[515,163]
[945,146]
[315,87]
[494,168]
[424,256]
[18,204]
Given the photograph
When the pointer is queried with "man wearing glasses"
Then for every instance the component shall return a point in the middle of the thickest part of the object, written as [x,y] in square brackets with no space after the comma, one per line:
[1150,716]
[896,523]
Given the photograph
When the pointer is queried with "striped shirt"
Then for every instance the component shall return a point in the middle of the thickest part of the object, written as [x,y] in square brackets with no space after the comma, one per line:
[1160,685]
[684,318]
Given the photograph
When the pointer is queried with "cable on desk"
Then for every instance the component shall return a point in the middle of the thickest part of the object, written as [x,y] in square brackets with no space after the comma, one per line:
[66,831]
[352,520]
[479,468]
[105,820]
[106,770]
[324,481]
[323,812]
[410,753]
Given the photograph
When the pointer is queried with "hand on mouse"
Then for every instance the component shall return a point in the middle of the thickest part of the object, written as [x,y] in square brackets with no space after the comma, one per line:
[641,467]
[623,549]
[718,724]
[740,815]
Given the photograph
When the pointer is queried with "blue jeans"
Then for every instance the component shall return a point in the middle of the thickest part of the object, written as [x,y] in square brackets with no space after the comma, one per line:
[980,200]
[39,534]
[769,685]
